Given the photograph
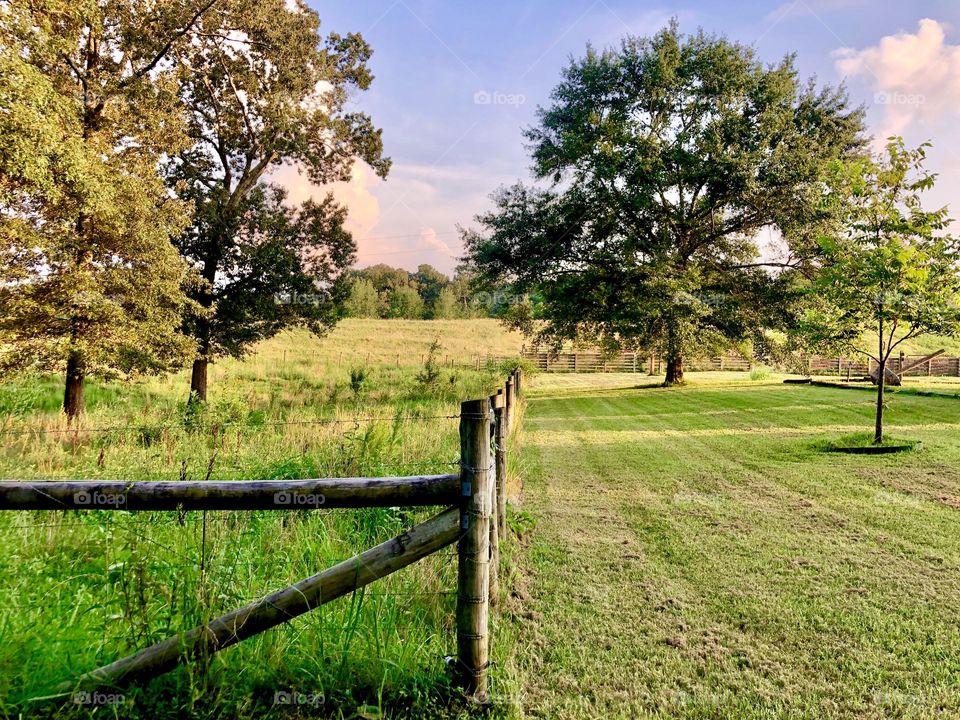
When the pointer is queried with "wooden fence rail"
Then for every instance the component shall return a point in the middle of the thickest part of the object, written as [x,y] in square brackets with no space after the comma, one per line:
[475,520]
[230,495]
[589,362]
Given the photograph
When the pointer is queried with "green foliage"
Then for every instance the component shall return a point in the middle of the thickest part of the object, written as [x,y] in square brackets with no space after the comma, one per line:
[891,271]
[430,282]
[277,95]
[431,367]
[358,376]
[445,307]
[405,303]
[760,373]
[665,157]
[440,297]
[87,110]
[363,301]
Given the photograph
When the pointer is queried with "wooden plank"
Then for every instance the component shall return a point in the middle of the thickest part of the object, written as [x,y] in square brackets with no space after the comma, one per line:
[229,495]
[279,607]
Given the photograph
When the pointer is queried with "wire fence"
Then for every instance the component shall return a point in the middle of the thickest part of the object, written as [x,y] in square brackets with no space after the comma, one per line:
[216,426]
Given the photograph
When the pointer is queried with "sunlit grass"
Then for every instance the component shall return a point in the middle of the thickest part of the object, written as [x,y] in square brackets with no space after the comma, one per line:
[697,554]
[81,589]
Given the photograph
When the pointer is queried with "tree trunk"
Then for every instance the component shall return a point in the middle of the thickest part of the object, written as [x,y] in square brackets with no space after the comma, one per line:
[881,382]
[674,370]
[73,404]
[198,377]
[198,380]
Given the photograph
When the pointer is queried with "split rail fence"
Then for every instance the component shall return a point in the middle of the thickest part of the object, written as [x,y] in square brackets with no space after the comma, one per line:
[630,362]
[474,518]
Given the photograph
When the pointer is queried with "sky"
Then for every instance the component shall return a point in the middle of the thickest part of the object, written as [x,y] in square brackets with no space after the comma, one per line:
[457,81]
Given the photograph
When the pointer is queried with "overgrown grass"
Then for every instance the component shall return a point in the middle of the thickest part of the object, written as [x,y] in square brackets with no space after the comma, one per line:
[696,555]
[81,589]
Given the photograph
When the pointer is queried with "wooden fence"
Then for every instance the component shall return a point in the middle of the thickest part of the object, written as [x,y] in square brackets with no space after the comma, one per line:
[589,362]
[474,518]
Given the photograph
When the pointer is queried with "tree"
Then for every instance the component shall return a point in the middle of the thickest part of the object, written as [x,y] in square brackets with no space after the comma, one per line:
[92,284]
[445,307]
[665,158]
[363,301]
[429,283]
[891,271]
[287,267]
[406,303]
[262,90]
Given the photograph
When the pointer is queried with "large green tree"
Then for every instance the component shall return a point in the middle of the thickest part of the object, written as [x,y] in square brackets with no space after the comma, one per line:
[92,284]
[263,89]
[664,159]
[891,271]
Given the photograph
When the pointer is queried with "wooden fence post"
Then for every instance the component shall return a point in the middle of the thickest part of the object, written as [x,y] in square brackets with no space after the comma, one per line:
[501,463]
[473,580]
[518,383]
[498,437]
[508,408]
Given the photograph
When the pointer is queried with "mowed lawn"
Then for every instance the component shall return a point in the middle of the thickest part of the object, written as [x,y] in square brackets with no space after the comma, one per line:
[696,555]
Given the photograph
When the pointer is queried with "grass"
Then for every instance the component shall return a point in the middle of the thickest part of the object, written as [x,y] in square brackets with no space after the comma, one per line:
[80,589]
[696,555]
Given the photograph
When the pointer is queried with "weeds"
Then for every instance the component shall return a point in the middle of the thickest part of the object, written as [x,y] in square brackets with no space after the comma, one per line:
[82,589]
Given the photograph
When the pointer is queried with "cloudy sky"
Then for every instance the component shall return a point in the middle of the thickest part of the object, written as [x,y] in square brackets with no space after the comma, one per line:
[457,81]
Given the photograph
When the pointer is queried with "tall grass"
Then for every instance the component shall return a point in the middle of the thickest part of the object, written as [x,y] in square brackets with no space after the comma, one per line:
[81,589]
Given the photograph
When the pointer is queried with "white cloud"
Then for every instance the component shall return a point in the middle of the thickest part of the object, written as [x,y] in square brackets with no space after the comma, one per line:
[429,239]
[915,78]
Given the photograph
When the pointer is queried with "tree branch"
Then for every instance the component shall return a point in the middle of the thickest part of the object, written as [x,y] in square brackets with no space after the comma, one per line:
[162,53]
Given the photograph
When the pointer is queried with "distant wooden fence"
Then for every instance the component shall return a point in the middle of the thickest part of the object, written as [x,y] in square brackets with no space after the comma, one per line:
[475,519]
[630,362]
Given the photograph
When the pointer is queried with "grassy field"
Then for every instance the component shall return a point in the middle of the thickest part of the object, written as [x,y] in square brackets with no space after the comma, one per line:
[692,552]
[83,589]
[696,555]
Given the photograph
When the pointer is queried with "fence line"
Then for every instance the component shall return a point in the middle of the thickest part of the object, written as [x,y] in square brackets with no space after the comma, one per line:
[225,424]
[474,499]
[634,362]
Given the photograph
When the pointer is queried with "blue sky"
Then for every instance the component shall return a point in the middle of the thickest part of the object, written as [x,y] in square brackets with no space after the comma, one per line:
[456,82]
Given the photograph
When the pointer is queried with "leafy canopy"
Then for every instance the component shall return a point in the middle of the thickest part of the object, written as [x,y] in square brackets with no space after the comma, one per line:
[262,90]
[892,270]
[662,160]
[87,109]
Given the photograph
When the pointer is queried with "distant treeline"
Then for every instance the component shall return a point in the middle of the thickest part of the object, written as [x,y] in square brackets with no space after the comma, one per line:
[381,291]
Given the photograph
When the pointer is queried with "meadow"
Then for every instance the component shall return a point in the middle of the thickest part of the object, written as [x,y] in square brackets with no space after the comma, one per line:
[698,554]
[689,552]
[81,589]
